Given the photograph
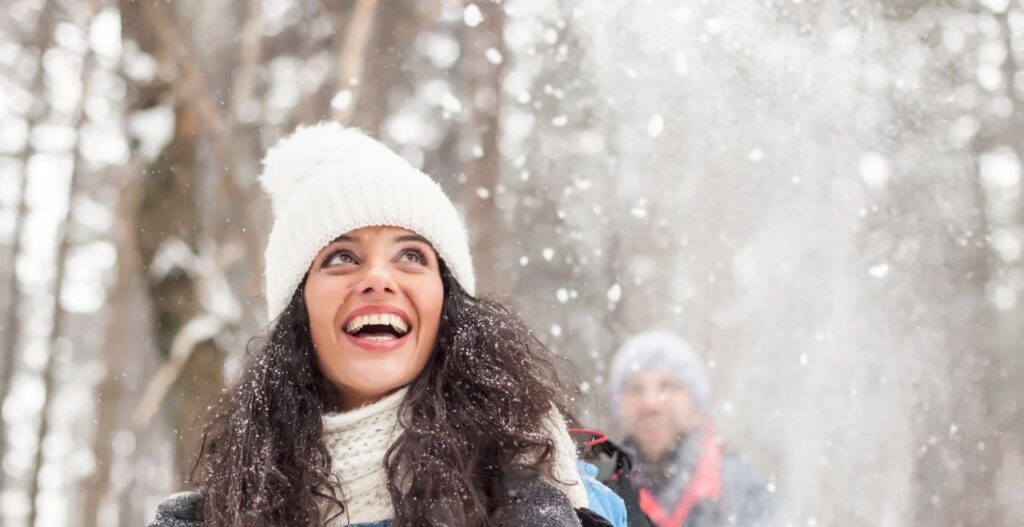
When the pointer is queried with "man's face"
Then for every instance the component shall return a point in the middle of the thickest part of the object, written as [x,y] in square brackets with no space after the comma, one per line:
[657,411]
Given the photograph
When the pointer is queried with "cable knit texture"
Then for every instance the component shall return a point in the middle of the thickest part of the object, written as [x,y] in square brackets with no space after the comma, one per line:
[358,440]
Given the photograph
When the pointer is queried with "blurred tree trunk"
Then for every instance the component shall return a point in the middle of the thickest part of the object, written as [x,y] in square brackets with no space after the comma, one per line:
[974,375]
[481,80]
[168,210]
[57,329]
[379,73]
[11,327]
[960,474]
[397,25]
[353,56]
[112,391]
[957,428]
[1009,390]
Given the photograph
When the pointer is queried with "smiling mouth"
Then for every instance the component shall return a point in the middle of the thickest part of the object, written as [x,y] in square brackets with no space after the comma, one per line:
[381,327]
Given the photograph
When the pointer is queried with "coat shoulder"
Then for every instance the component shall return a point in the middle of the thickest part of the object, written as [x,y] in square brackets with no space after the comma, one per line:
[184,509]
[746,493]
[532,502]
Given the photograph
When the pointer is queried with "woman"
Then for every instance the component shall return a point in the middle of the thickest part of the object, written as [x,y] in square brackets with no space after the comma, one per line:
[384,392]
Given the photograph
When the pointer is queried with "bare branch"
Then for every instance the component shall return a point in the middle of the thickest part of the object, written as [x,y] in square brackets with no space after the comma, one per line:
[199,329]
[209,282]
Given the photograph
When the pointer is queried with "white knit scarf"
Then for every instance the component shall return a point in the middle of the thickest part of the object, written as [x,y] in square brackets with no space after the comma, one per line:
[358,440]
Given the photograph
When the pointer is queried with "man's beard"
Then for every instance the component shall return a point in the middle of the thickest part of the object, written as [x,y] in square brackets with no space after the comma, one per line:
[668,433]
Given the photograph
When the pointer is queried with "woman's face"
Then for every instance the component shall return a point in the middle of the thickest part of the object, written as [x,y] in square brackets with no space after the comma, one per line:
[374,299]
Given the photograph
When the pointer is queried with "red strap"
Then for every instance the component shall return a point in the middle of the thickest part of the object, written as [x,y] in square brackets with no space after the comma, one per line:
[706,484]
[598,436]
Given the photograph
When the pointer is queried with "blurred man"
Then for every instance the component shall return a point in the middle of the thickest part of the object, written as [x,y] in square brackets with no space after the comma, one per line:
[660,391]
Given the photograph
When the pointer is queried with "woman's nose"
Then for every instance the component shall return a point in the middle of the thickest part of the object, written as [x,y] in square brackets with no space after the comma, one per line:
[378,279]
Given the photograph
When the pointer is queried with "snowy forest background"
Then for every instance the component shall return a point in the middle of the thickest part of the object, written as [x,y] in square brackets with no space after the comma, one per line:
[823,196]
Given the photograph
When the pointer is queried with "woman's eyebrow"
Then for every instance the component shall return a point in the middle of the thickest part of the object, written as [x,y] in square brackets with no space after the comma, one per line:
[412,238]
[342,238]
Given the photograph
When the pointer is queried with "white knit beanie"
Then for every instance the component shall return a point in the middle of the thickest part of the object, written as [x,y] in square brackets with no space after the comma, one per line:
[326,180]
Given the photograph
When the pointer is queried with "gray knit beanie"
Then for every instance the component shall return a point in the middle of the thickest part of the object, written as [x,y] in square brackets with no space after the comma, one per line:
[661,350]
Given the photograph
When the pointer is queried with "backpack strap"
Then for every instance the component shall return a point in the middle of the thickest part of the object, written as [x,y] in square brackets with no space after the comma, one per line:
[595,446]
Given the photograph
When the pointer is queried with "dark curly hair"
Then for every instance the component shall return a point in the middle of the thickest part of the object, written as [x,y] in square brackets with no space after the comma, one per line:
[472,418]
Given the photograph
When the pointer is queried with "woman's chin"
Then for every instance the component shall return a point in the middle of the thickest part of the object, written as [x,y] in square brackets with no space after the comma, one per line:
[377,376]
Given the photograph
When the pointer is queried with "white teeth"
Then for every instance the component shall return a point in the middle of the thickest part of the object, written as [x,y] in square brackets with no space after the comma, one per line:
[380,319]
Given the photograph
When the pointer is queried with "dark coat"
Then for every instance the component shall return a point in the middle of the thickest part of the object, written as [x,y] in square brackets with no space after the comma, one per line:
[744,499]
[531,503]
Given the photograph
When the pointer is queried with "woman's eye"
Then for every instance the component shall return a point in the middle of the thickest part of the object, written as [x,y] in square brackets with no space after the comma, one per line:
[339,258]
[415,256]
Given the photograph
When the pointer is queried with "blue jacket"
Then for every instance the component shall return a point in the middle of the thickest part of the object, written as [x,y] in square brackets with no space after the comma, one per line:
[600,498]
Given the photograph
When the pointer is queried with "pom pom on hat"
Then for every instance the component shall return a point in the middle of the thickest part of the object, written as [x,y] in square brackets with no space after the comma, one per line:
[325,180]
[310,151]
